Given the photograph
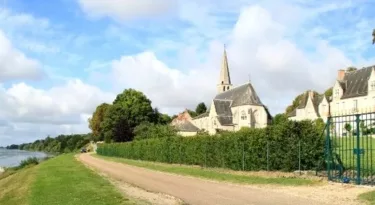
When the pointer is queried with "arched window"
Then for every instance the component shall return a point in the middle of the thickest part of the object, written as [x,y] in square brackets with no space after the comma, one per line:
[228,88]
[222,82]
[224,88]
[243,115]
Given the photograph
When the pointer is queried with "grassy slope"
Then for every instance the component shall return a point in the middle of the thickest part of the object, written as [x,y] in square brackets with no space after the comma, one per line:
[211,173]
[63,180]
[368,197]
[14,189]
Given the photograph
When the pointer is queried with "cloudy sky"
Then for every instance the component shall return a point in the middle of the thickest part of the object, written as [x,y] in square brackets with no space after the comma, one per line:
[59,59]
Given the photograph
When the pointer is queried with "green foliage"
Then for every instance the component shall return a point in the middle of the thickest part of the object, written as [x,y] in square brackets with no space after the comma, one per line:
[348,127]
[60,144]
[351,68]
[192,113]
[129,109]
[149,130]
[246,148]
[28,162]
[329,92]
[201,108]
[96,120]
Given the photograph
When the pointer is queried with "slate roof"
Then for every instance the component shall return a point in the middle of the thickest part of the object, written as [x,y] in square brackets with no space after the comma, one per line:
[186,126]
[241,95]
[238,96]
[202,115]
[355,83]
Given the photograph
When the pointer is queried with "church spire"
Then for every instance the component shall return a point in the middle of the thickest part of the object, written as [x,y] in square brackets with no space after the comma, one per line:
[224,80]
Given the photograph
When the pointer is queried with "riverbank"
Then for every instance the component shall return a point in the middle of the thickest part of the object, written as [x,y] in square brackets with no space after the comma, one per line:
[60,180]
[12,157]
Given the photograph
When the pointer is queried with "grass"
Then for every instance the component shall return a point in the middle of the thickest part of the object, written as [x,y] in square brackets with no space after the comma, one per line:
[213,174]
[14,186]
[63,180]
[368,197]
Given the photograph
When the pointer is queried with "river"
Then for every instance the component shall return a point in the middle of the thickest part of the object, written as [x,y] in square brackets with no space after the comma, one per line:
[11,158]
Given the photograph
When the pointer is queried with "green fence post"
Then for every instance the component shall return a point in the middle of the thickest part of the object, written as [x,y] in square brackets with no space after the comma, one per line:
[358,151]
[268,156]
[328,148]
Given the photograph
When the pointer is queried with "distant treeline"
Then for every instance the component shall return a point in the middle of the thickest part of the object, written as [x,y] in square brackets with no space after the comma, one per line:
[60,144]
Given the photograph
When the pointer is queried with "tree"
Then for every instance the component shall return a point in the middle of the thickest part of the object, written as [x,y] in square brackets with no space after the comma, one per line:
[192,113]
[348,128]
[129,109]
[96,120]
[329,92]
[373,36]
[201,108]
[148,130]
[351,68]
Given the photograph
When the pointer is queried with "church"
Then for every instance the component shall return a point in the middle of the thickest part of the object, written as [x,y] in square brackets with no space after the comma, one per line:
[232,108]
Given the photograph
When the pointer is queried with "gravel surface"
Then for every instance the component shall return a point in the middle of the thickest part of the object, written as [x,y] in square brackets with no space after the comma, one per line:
[199,191]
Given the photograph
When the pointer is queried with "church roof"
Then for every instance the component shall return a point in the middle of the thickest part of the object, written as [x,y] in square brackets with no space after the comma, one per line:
[238,96]
[186,126]
[355,83]
[241,95]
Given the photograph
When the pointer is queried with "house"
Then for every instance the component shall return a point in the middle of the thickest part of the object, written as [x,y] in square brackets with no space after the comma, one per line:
[311,106]
[232,108]
[354,92]
[184,125]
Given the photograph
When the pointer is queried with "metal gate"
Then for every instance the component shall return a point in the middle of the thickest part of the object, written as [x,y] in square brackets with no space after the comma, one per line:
[350,144]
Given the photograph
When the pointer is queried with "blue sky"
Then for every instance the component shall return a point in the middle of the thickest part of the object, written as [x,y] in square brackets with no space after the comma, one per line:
[60,59]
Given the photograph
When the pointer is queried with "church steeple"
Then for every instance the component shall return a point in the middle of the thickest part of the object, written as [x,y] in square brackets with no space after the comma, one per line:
[224,80]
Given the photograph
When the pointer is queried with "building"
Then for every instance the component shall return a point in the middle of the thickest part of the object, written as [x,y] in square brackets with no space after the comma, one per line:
[231,109]
[353,93]
[184,125]
[312,106]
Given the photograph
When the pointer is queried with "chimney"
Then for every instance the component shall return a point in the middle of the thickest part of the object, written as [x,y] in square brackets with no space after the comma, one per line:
[340,75]
[311,93]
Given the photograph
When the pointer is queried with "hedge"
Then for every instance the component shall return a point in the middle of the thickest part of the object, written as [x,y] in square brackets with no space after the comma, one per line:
[243,150]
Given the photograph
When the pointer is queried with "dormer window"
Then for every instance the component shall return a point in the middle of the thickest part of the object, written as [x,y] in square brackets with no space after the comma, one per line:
[372,85]
[337,92]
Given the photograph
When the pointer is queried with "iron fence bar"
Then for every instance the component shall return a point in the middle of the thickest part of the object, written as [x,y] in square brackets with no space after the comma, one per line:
[371,127]
[328,148]
[358,152]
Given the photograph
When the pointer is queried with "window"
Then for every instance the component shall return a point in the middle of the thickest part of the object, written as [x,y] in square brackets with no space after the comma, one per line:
[243,115]
[355,105]
[372,85]
[228,88]
[337,92]
[224,88]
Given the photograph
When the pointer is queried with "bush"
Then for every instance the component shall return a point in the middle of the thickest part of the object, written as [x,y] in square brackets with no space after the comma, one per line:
[245,149]
[149,130]
[28,162]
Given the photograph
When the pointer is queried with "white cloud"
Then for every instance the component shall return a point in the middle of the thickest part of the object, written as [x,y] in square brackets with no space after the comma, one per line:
[28,112]
[14,64]
[121,10]
[279,68]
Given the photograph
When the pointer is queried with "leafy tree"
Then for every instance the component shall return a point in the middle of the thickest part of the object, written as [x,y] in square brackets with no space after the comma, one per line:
[149,130]
[160,118]
[201,108]
[329,92]
[192,113]
[348,127]
[96,120]
[296,102]
[129,109]
[351,68]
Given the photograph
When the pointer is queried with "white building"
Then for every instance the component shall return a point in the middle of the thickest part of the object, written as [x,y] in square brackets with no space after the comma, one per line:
[231,109]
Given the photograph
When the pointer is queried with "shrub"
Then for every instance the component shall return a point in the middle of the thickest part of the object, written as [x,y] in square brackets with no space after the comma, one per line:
[275,147]
[28,162]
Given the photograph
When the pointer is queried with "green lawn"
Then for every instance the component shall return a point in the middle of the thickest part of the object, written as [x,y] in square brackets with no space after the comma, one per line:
[59,181]
[368,197]
[212,174]
[14,187]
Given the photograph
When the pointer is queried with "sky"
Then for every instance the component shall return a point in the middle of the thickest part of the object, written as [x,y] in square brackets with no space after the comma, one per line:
[60,59]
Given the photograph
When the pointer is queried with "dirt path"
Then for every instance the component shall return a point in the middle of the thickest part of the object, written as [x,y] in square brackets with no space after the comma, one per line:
[197,191]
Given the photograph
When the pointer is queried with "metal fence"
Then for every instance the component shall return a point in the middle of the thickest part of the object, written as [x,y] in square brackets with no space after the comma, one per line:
[350,145]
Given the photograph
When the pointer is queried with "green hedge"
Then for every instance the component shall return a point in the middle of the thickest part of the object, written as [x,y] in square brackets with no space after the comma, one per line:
[245,149]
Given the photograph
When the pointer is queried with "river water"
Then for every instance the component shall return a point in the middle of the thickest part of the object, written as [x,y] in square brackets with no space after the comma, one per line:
[11,158]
